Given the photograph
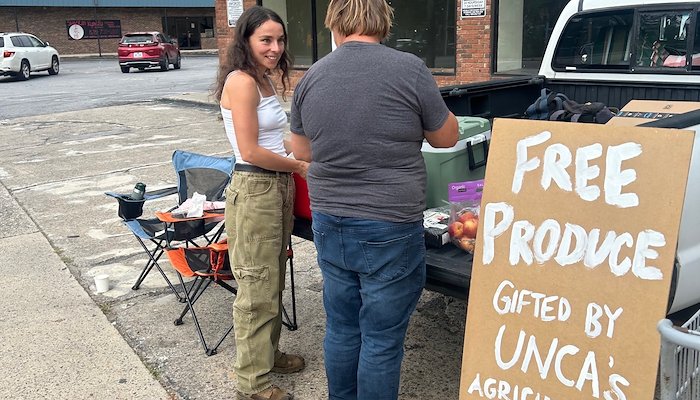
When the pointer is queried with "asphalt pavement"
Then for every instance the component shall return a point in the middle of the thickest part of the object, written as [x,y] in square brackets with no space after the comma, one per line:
[61,339]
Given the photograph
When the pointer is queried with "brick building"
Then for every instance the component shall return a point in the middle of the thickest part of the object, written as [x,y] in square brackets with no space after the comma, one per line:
[460,40]
[103,22]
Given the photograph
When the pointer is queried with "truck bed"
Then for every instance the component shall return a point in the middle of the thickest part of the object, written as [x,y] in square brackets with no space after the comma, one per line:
[510,97]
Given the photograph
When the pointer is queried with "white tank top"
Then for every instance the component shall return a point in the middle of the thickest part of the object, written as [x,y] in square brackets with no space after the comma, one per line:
[272,122]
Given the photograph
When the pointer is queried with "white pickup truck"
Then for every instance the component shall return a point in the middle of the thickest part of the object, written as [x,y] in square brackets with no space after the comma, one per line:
[610,52]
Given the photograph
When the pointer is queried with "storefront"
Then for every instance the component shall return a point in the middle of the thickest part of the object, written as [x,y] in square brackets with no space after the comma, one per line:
[103,22]
[459,40]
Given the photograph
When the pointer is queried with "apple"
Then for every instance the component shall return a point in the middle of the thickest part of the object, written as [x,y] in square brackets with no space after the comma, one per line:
[466,244]
[466,216]
[456,229]
[469,228]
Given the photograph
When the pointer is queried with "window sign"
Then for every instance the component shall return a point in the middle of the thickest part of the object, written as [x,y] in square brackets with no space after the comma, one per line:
[573,263]
[94,29]
[473,8]
[76,32]
[234,10]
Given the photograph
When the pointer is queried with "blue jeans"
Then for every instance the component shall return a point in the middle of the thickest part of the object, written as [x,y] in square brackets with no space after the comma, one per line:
[373,274]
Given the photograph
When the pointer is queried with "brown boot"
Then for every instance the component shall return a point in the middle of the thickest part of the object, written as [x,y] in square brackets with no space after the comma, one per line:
[271,393]
[288,363]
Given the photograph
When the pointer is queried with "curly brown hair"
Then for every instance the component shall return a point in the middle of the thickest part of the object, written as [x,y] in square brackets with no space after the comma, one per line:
[238,55]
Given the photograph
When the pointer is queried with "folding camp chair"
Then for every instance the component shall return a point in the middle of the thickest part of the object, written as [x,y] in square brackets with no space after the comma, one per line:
[211,264]
[199,173]
[206,264]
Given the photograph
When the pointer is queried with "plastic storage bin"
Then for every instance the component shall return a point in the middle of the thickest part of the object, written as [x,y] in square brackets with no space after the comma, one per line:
[464,161]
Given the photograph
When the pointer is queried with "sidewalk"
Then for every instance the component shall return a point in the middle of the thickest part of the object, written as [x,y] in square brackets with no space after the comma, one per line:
[62,340]
[56,342]
[207,100]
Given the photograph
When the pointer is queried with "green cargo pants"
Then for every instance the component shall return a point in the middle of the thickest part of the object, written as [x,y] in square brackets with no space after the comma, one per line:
[258,224]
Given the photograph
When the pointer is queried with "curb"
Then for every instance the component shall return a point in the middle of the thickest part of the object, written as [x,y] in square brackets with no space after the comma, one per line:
[113,56]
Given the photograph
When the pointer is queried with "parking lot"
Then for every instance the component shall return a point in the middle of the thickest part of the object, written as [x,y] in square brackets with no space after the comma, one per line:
[57,166]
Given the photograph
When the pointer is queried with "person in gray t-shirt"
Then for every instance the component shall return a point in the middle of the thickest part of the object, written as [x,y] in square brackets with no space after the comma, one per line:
[360,116]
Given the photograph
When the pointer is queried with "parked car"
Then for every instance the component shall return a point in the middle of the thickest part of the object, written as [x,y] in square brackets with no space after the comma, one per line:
[148,49]
[23,53]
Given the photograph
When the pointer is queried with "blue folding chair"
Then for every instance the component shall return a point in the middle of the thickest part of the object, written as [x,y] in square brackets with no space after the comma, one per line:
[208,175]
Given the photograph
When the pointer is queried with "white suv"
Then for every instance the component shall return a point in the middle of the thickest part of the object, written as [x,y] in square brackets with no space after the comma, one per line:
[22,53]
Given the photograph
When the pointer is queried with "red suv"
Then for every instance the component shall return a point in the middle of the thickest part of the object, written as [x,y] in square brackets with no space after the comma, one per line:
[148,49]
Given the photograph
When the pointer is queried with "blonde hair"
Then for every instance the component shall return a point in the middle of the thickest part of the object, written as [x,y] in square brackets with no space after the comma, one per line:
[365,17]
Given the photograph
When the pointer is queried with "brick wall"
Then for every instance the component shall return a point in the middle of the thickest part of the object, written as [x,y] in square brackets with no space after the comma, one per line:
[473,49]
[49,23]
[473,46]
[224,33]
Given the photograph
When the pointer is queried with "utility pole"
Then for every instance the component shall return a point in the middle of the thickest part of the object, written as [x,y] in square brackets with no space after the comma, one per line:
[99,30]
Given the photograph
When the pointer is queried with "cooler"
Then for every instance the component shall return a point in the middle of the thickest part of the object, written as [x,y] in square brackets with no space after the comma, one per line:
[465,161]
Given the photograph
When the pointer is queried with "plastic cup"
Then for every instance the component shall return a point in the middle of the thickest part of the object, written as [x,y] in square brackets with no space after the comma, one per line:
[101,283]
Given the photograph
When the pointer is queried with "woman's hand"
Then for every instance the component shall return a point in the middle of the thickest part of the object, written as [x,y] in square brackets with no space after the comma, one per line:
[301,168]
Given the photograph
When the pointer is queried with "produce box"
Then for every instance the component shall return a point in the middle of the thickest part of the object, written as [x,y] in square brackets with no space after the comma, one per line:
[435,224]
[637,112]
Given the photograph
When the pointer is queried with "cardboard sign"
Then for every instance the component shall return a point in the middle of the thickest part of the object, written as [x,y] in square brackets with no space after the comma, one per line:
[573,262]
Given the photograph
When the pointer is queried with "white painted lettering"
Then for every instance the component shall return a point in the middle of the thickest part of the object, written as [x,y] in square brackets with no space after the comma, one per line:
[557,158]
[585,173]
[642,252]
[551,229]
[593,328]
[522,163]
[491,230]
[566,255]
[616,267]
[520,236]
[589,372]
[568,350]
[616,178]
[615,381]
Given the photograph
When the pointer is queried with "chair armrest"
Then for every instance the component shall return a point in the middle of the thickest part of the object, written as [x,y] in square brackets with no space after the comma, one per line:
[169,217]
[149,195]
[130,209]
[156,194]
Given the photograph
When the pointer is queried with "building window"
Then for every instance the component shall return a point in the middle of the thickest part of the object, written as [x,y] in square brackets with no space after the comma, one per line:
[189,31]
[523,28]
[424,28]
[308,39]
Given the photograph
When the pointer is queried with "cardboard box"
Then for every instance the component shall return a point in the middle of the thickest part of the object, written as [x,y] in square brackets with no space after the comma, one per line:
[435,222]
[640,111]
